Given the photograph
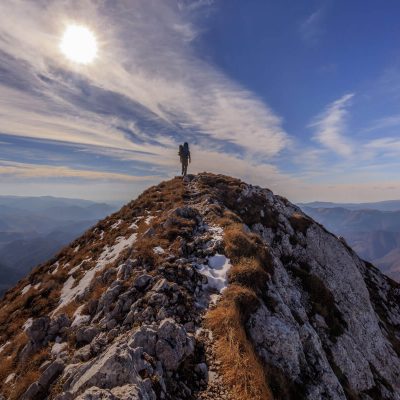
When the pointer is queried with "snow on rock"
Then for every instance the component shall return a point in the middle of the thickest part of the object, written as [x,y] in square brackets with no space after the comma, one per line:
[37,286]
[133,226]
[3,347]
[57,348]
[148,219]
[79,318]
[110,254]
[116,225]
[158,250]
[55,266]
[217,232]
[10,377]
[216,271]
[27,324]
[25,289]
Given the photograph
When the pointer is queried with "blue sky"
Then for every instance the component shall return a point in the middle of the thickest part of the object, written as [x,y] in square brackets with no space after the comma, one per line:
[301,97]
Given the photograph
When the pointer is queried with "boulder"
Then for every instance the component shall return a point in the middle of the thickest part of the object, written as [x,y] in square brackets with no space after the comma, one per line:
[145,337]
[38,329]
[173,344]
[86,334]
[142,281]
[51,373]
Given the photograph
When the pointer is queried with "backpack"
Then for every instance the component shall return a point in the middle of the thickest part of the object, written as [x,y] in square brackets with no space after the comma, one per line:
[185,152]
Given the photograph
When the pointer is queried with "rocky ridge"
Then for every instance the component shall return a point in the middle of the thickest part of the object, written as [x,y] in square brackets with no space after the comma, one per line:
[203,288]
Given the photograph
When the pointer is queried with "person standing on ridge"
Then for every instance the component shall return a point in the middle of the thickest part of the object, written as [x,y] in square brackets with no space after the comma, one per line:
[184,154]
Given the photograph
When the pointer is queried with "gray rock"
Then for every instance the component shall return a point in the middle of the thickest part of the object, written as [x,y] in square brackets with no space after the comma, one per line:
[142,281]
[34,392]
[86,334]
[38,330]
[83,354]
[173,344]
[125,270]
[160,285]
[95,393]
[202,370]
[119,365]
[145,337]
[51,373]
[57,324]
[186,212]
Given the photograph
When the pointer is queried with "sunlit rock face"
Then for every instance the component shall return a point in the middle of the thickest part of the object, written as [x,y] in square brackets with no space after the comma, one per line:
[142,305]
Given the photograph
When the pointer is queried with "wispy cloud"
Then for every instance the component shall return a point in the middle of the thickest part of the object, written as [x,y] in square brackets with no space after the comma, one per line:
[331,124]
[311,28]
[25,170]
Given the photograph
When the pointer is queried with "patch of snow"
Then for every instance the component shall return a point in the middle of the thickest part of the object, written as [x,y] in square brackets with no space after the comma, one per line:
[101,235]
[148,219]
[27,324]
[79,318]
[76,248]
[133,226]
[2,348]
[158,250]
[25,289]
[10,377]
[58,348]
[67,293]
[56,268]
[216,231]
[110,254]
[72,270]
[37,286]
[117,224]
[216,271]
[262,213]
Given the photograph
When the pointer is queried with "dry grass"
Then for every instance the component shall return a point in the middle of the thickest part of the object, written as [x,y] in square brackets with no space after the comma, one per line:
[249,272]
[242,371]
[239,243]
[300,222]
[26,372]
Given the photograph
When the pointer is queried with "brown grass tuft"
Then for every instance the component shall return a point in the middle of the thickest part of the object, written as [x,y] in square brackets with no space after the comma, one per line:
[242,371]
[238,243]
[249,272]
[300,222]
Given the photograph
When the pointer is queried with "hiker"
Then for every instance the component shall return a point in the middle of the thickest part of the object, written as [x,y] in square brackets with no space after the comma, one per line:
[184,155]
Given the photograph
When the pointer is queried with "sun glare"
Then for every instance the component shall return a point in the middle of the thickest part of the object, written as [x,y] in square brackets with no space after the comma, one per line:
[79,44]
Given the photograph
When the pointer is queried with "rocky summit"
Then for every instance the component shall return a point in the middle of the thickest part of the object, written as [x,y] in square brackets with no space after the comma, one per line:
[203,288]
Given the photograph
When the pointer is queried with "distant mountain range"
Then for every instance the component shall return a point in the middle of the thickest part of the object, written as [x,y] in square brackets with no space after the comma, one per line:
[32,229]
[387,205]
[372,229]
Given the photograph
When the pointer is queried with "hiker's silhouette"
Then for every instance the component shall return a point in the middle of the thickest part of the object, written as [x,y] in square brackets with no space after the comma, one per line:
[184,155]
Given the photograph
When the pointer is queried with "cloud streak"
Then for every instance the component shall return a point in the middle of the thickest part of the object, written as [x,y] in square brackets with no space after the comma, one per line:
[330,126]
[311,28]
[26,170]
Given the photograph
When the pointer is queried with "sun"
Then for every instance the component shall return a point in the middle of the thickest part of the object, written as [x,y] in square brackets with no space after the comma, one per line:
[79,44]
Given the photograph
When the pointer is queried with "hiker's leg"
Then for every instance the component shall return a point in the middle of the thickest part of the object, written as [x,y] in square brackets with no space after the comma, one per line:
[183,168]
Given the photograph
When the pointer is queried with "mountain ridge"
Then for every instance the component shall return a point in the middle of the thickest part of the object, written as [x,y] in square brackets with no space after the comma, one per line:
[203,288]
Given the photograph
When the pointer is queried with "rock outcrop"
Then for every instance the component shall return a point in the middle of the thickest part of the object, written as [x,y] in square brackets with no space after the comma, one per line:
[203,288]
